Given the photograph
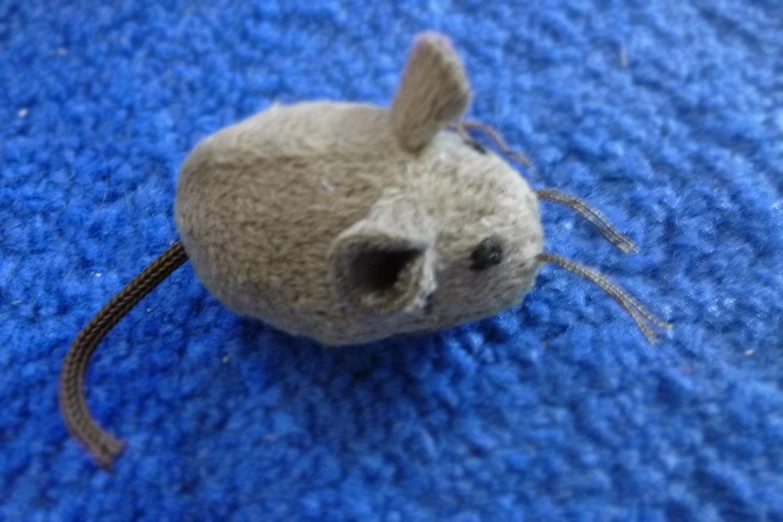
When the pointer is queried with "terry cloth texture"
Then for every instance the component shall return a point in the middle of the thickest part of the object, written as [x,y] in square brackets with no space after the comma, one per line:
[667,116]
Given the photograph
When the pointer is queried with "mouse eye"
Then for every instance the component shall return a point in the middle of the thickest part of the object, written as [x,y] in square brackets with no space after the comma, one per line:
[487,254]
[478,147]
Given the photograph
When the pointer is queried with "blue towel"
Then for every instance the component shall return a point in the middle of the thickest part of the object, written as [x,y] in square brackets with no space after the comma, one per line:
[667,116]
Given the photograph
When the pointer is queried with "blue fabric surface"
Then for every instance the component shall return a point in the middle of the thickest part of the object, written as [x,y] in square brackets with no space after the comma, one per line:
[555,410]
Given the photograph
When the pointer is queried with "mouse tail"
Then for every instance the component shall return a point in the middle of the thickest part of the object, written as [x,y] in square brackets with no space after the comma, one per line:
[102,445]
[643,317]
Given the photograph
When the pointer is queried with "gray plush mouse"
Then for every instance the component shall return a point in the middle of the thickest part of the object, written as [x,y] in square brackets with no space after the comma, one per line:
[350,222]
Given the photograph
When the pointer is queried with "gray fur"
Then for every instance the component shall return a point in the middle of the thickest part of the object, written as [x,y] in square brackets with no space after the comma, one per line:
[302,214]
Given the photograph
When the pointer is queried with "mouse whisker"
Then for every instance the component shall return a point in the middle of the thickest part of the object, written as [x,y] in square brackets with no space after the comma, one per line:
[643,317]
[592,215]
[462,126]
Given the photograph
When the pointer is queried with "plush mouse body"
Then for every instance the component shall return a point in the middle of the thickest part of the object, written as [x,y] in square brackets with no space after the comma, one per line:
[349,222]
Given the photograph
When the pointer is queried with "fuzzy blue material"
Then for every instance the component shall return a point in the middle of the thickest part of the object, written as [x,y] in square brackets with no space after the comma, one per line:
[668,116]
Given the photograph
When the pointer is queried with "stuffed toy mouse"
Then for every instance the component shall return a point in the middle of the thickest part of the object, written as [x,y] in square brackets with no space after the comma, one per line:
[350,222]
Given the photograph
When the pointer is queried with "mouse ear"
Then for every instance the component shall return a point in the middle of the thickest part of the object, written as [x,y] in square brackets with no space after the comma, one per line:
[434,89]
[383,264]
